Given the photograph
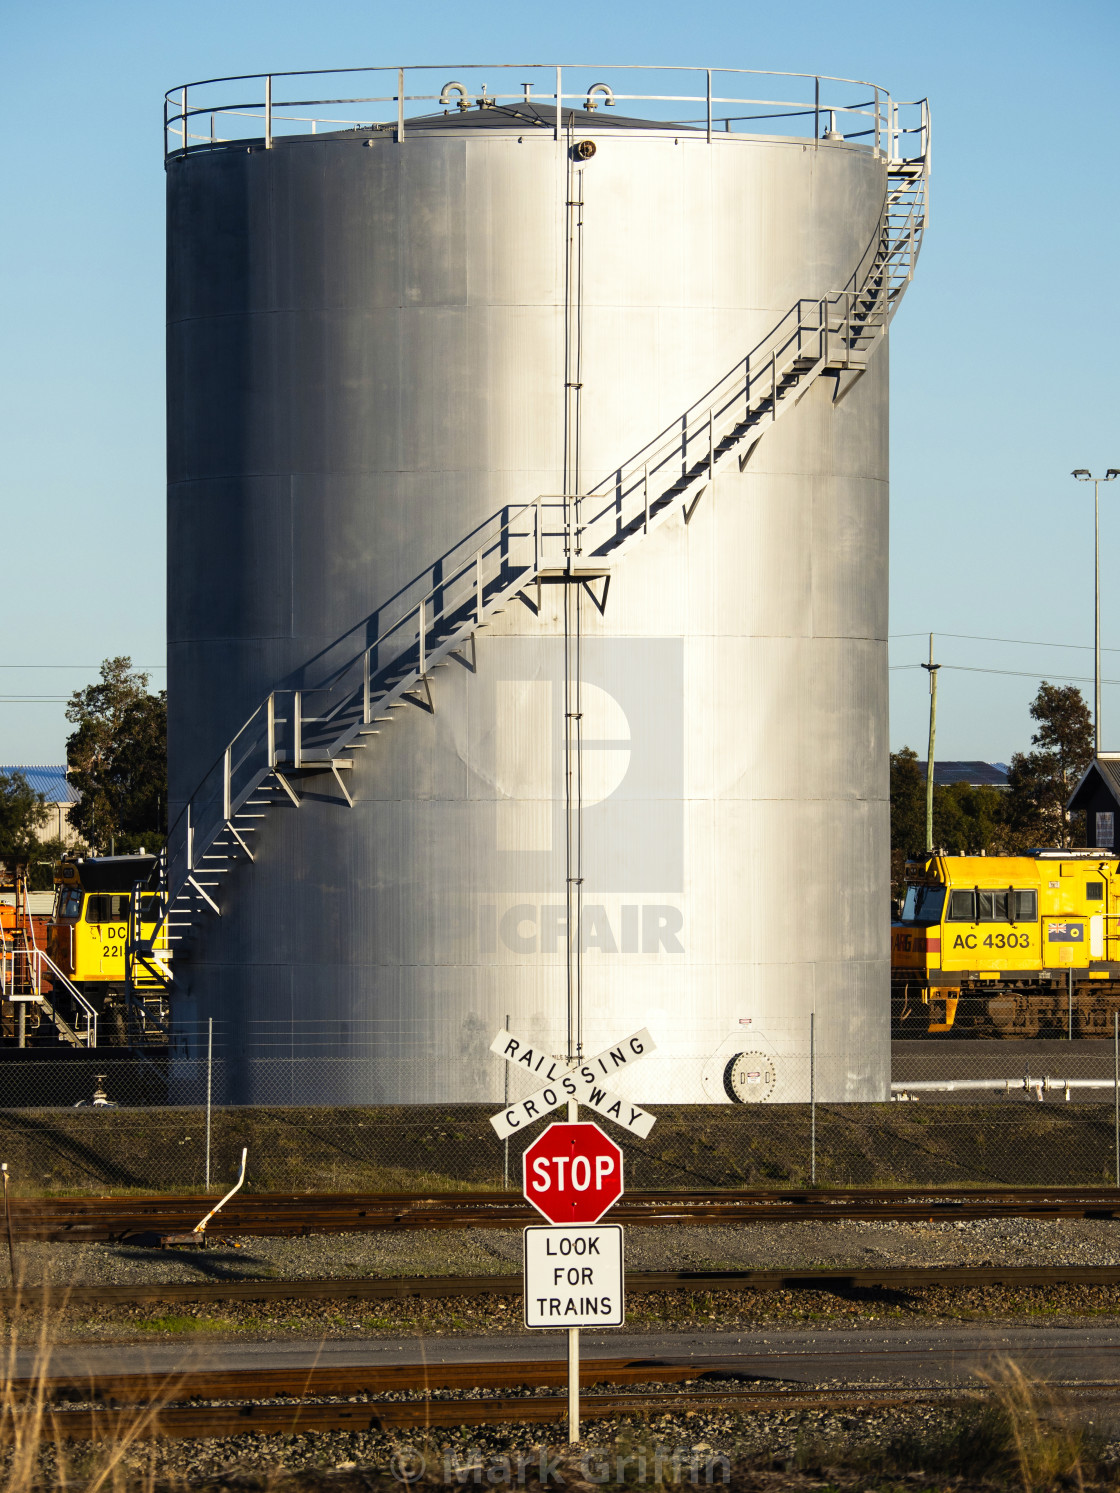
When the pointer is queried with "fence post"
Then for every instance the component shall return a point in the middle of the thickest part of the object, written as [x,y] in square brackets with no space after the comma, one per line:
[812,1098]
[505,1143]
[209,1089]
[8,1225]
[1116,1085]
[1069,983]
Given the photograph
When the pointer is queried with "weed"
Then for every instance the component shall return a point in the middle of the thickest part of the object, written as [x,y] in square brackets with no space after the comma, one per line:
[171,1322]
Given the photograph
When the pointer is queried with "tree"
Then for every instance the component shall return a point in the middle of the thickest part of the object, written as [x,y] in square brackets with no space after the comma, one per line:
[118,760]
[908,804]
[970,820]
[22,811]
[966,820]
[1040,782]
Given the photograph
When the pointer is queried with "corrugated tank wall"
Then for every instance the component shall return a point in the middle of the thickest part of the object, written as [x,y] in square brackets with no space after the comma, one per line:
[366,359]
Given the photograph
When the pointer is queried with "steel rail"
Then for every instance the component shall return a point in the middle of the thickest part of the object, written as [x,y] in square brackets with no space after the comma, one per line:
[199,1421]
[147,1405]
[446,1287]
[93,1218]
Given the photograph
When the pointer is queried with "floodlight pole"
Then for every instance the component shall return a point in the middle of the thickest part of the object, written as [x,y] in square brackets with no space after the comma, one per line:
[1082,475]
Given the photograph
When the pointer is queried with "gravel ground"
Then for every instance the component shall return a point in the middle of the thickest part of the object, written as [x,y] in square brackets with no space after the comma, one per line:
[807,1449]
[414,1318]
[1017,1241]
[480,1251]
[766,1449]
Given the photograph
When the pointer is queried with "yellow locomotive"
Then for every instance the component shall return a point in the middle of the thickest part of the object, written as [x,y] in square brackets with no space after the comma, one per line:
[1008,946]
[88,940]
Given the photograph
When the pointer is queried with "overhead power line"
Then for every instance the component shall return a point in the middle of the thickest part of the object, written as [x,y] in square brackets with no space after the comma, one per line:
[1013,673]
[85,668]
[976,637]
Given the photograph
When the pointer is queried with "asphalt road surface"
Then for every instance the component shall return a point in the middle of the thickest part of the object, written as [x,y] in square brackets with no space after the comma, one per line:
[906,1356]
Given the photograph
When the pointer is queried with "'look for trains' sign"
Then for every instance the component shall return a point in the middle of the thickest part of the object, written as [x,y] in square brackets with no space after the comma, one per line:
[573,1276]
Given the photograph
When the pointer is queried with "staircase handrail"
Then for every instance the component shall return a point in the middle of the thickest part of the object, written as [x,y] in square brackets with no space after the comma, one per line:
[468,590]
[41,957]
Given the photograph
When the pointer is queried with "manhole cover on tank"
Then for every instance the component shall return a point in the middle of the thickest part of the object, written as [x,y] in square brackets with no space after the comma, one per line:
[749,1077]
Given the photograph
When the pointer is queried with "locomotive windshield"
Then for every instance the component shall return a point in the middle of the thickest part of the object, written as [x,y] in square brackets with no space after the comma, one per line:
[923,904]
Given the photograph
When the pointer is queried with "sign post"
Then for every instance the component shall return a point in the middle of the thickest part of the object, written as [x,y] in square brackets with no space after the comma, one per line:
[573,1270]
[572,1174]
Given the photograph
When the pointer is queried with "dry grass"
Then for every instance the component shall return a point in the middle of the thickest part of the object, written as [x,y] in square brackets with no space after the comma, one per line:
[35,1453]
[1018,1435]
[1045,1446]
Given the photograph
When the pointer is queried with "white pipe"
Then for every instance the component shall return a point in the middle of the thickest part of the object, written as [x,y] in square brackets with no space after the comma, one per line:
[200,1228]
[948,1085]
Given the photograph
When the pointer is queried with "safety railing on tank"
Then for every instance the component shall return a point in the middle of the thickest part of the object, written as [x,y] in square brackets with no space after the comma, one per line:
[510,550]
[199,115]
[812,333]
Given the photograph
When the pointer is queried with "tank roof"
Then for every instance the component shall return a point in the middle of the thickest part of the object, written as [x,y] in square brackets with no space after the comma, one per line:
[531,115]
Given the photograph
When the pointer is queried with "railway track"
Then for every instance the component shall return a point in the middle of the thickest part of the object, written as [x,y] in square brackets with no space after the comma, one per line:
[302,1417]
[450,1286]
[286,1401]
[119,1218]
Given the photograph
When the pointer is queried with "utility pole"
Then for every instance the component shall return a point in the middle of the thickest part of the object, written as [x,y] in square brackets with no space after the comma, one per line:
[932,669]
[1084,476]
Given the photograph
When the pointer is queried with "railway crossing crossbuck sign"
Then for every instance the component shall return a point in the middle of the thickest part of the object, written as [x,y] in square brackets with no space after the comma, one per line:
[573,1173]
[581,1079]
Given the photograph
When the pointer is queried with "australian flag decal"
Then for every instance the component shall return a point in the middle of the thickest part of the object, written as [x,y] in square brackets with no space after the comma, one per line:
[1066,932]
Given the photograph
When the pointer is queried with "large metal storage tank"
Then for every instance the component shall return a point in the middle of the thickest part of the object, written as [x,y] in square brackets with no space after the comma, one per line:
[366,355]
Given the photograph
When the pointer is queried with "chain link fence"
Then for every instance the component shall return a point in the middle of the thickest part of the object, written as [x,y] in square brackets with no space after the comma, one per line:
[961,1113]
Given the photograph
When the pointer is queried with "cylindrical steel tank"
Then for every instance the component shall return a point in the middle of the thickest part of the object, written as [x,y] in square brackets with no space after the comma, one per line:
[367,358]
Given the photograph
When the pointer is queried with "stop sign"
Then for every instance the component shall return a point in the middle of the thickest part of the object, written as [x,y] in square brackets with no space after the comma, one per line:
[573,1173]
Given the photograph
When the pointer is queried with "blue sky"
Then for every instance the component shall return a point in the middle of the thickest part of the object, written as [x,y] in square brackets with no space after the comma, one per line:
[1003,356]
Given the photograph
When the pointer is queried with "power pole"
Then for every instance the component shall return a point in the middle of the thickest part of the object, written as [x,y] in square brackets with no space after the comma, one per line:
[932,669]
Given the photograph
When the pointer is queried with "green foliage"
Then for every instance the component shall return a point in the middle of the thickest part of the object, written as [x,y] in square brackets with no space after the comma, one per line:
[1042,781]
[908,804]
[966,820]
[971,821]
[118,760]
[22,812]
[44,858]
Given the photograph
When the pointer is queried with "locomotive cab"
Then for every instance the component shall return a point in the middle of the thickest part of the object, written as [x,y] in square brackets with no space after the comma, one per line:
[88,937]
[1008,946]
